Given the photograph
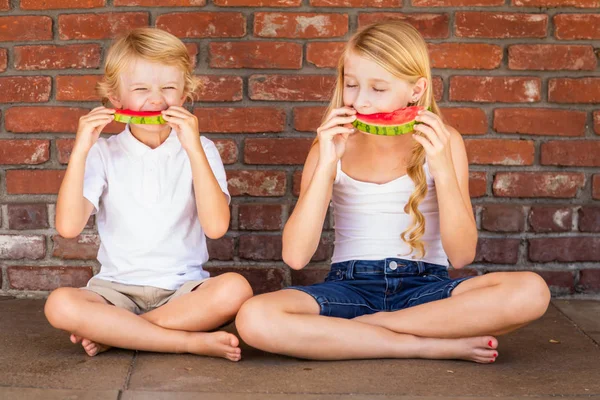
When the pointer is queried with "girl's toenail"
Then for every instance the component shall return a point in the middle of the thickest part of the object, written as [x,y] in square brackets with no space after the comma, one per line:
[495,354]
[490,343]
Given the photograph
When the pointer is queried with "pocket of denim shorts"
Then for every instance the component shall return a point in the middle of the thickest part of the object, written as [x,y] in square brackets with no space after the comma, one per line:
[434,277]
[335,275]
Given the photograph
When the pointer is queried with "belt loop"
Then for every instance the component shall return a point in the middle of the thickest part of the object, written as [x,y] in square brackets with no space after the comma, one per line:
[421,267]
[350,269]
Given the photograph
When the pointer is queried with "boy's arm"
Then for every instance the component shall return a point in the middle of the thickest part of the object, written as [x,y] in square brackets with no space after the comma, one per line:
[212,203]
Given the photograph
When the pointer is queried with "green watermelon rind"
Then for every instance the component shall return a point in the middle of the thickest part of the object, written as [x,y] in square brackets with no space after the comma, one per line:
[385,130]
[146,120]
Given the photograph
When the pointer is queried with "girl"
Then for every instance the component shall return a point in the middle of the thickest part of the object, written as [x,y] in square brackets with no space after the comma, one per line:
[402,208]
[157,191]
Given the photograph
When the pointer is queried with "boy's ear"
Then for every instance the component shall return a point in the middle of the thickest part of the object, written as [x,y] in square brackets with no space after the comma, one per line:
[115,101]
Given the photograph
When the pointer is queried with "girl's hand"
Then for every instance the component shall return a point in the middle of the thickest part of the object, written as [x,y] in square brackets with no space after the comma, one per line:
[90,127]
[435,141]
[186,126]
[334,133]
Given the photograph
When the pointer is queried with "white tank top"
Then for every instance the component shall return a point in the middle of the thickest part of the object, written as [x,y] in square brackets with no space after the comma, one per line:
[369,219]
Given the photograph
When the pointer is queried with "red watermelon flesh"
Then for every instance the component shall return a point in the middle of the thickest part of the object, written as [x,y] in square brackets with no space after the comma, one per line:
[139,117]
[396,123]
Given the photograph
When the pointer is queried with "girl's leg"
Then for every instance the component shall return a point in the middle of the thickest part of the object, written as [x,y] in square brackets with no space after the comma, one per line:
[288,322]
[492,304]
[87,315]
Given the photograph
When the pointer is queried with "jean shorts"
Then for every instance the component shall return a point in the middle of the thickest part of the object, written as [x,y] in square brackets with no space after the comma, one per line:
[357,287]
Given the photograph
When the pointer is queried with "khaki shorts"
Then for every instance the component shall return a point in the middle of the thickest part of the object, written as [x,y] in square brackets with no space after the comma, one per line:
[138,299]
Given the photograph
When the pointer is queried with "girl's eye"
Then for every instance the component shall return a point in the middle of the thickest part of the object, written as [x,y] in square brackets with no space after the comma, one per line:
[379,90]
[140,88]
[351,86]
[170,87]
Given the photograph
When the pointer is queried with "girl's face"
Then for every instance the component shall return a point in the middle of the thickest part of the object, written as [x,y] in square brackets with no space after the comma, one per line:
[150,86]
[369,88]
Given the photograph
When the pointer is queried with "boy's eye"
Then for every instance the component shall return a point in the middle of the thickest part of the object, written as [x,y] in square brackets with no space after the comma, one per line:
[170,87]
[379,90]
[140,88]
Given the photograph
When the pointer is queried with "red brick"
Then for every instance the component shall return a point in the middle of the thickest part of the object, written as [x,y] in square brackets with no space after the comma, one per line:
[56,120]
[4,6]
[45,57]
[465,55]
[99,26]
[227,149]
[502,218]
[161,3]
[549,57]
[556,3]
[27,216]
[3,60]
[538,184]
[77,87]
[574,90]
[597,122]
[500,25]
[15,247]
[24,151]
[60,4]
[47,278]
[258,3]
[299,25]
[596,187]
[461,273]
[219,88]
[260,247]
[25,28]
[256,183]
[203,24]
[296,183]
[220,249]
[291,87]
[438,88]
[25,89]
[286,151]
[574,153]
[498,251]
[83,247]
[273,55]
[550,219]
[589,280]
[309,276]
[192,49]
[324,54]
[559,282]
[589,219]
[501,89]
[325,248]
[240,120]
[431,26]
[260,217]
[468,121]
[477,184]
[262,280]
[564,249]
[308,119]
[500,151]
[357,3]
[577,26]
[33,181]
[540,121]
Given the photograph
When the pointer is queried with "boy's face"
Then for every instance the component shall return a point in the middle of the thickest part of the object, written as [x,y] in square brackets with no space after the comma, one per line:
[369,88]
[150,86]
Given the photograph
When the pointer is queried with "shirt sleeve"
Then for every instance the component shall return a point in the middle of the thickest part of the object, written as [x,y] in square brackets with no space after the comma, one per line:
[216,164]
[94,179]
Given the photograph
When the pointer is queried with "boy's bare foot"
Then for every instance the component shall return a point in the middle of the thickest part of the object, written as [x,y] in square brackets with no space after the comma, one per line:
[91,348]
[480,349]
[215,344]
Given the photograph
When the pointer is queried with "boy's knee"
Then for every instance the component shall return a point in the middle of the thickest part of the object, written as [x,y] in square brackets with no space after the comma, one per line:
[233,284]
[60,307]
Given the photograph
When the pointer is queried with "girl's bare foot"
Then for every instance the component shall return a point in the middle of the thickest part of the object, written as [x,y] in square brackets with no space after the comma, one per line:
[215,344]
[480,349]
[91,348]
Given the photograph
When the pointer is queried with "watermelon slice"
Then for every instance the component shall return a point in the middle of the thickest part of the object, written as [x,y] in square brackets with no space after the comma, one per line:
[396,123]
[139,117]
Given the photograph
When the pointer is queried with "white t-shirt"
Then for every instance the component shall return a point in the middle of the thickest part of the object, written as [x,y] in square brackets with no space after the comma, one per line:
[146,210]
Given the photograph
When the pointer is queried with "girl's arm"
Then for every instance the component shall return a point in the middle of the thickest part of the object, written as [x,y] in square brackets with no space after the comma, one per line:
[211,203]
[457,223]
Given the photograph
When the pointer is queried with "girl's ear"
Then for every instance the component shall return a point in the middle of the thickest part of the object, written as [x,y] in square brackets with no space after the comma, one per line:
[419,89]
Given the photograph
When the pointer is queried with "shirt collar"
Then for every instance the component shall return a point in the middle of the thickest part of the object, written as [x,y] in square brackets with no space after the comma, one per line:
[138,149]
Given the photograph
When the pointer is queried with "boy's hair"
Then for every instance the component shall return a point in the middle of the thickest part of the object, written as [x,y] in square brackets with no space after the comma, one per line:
[401,50]
[151,44]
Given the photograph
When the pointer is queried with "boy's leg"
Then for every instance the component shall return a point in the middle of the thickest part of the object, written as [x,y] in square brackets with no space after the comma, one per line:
[212,304]
[492,304]
[288,322]
[81,313]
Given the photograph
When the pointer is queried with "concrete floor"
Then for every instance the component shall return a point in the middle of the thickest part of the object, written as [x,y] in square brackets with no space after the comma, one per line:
[557,356]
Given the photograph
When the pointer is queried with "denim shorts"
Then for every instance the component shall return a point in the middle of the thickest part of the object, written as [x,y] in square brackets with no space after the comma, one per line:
[357,287]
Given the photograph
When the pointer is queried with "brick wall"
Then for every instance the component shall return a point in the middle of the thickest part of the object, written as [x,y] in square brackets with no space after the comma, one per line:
[519,78]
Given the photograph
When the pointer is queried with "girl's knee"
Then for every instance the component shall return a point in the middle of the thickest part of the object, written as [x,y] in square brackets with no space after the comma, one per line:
[252,320]
[538,293]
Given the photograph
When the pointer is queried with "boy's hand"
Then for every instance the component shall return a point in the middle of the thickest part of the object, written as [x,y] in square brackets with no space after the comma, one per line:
[90,127]
[186,126]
